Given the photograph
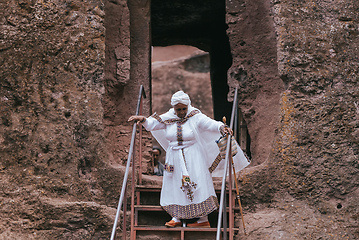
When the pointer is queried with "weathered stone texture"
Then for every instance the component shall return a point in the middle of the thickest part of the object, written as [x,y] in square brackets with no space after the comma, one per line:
[63,129]
[117,23]
[318,142]
[315,154]
[126,35]
[254,71]
[51,134]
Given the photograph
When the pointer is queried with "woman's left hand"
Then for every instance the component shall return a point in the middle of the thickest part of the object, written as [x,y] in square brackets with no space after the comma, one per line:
[227,130]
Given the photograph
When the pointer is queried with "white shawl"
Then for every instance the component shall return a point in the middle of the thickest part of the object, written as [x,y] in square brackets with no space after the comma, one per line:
[206,140]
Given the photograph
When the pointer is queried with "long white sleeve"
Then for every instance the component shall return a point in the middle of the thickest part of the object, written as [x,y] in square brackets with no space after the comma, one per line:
[208,124]
[152,124]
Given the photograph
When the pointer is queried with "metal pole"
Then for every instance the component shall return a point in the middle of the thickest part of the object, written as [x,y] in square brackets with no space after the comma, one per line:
[132,233]
[140,151]
[124,183]
[225,169]
[235,127]
[222,190]
[230,197]
[225,212]
[124,216]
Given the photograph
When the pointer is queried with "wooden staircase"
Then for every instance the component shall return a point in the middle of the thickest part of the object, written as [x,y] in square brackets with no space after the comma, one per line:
[149,218]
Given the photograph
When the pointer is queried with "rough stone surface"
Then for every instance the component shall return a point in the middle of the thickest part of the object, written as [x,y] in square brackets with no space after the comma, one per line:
[54,177]
[254,71]
[315,152]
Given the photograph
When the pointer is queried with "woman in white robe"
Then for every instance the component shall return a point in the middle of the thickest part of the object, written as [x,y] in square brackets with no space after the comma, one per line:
[188,136]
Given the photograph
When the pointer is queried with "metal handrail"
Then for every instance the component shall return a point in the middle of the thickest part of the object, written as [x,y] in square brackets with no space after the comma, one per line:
[221,207]
[130,157]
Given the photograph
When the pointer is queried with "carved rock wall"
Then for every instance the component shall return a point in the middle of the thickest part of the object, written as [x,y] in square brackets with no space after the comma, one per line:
[254,71]
[316,153]
[54,177]
[314,157]
[64,135]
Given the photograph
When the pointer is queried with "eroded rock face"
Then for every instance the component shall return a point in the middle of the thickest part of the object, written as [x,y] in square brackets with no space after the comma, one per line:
[315,152]
[317,144]
[254,71]
[64,135]
[51,134]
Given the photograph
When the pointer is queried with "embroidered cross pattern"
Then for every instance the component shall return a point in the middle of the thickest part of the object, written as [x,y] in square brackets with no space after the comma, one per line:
[187,188]
[169,168]
[179,134]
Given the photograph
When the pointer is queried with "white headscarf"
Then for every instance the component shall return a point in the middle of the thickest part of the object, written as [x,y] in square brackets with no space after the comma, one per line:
[180,97]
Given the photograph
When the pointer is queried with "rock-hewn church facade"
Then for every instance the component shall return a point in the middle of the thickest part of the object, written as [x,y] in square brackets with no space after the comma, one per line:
[70,76]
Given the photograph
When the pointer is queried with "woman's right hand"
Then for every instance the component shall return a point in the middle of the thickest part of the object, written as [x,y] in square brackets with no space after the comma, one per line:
[138,119]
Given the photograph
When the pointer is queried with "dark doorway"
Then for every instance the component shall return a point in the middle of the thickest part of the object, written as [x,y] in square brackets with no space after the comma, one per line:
[200,24]
[203,25]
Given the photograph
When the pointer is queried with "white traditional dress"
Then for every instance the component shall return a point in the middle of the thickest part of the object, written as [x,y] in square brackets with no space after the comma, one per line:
[187,188]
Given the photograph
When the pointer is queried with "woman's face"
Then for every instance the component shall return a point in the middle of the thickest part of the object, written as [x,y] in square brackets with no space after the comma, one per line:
[181,110]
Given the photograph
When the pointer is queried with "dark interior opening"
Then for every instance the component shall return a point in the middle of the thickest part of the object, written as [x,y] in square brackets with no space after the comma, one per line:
[203,25]
[188,22]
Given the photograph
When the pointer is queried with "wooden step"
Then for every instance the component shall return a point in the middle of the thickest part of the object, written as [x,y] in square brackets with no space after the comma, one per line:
[157,216]
[148,188]
[150,194]
[180,233]
[149,208]
[150,217]
[154,188]
[178,229]
[152,208]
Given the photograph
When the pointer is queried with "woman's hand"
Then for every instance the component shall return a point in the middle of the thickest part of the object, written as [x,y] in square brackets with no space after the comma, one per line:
[225,130]
[228,130]
[138,119]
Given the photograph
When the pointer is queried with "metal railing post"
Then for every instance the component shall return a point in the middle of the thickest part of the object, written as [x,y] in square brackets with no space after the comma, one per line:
[132,234]
[129,159]
[230,214]
[124,216]
[140,150]
[225,168]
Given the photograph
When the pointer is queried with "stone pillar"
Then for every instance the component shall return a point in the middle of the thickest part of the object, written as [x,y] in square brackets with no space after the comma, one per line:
[128,58]
[254,71]
[140,49]
[127,66]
